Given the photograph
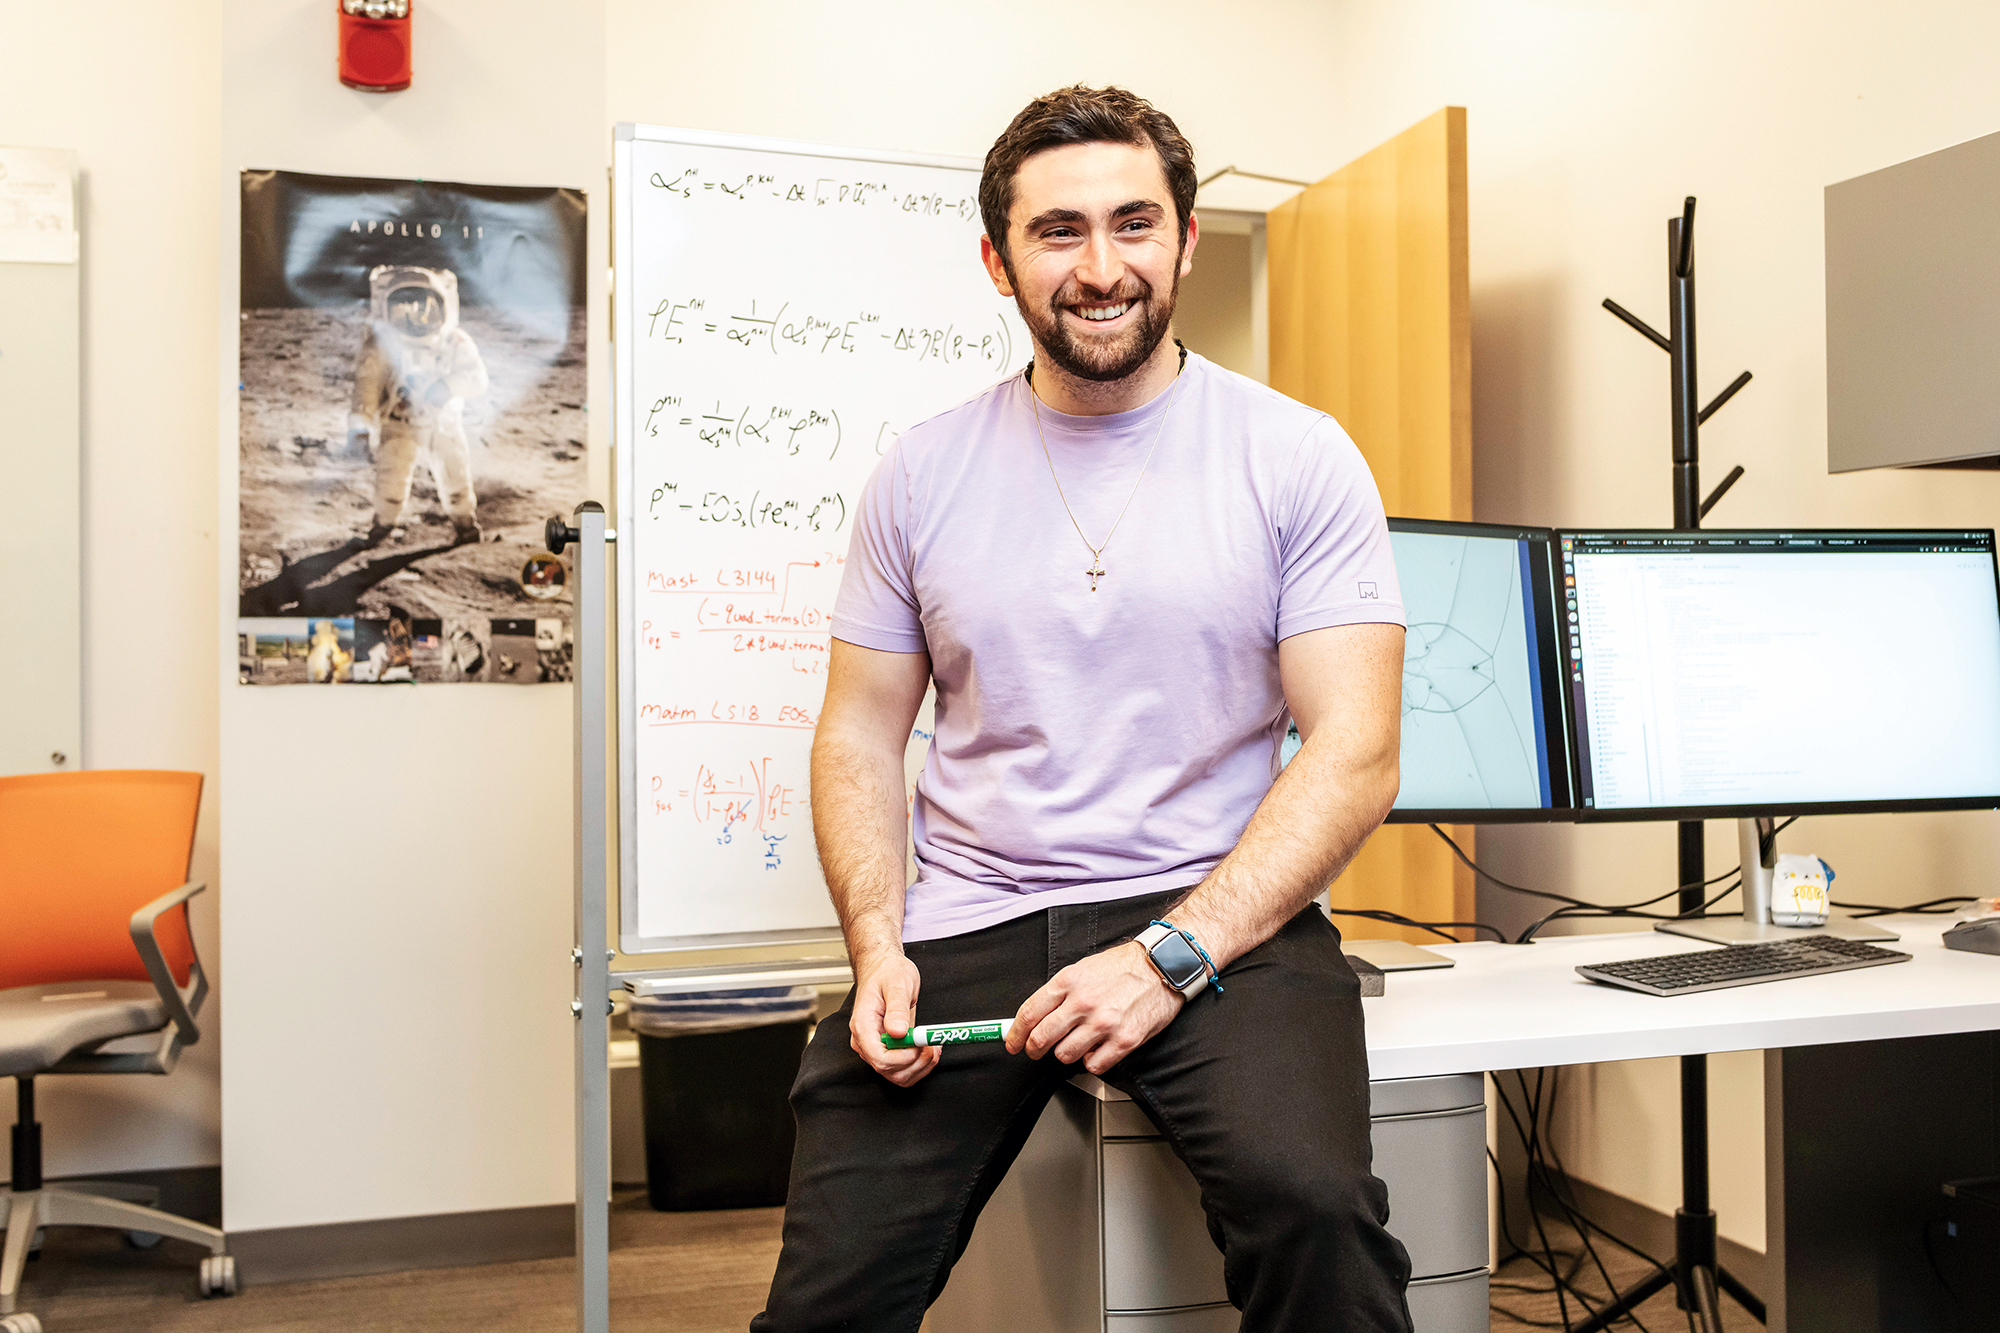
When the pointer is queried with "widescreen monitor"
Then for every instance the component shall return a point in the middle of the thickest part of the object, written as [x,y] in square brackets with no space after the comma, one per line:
[1722,674]
[1484,730]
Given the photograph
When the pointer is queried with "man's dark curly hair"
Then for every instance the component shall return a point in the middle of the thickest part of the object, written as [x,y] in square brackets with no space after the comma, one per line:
[1083,115]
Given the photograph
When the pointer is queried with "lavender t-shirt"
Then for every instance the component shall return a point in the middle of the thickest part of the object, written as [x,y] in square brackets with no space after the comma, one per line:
[1100,745]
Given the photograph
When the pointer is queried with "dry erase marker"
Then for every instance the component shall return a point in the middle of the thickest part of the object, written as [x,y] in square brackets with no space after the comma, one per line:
[944,1034]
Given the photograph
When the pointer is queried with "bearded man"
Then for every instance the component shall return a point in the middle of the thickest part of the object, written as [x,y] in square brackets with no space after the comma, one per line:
[1127,570]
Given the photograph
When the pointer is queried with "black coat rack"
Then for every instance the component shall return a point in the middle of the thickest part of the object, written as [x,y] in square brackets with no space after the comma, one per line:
[1695,1271]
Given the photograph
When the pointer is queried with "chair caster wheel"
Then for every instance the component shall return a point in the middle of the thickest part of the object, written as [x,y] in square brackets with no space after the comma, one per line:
[142,1240]
[20,1323]
[218,1275]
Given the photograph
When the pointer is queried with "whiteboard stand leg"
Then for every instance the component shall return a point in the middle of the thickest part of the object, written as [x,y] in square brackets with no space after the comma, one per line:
[592,1001]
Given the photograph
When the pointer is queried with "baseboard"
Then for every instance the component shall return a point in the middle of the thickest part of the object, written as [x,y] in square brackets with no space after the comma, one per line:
[1653,1230]
[185,1191]
[397,1244]
[348,1249]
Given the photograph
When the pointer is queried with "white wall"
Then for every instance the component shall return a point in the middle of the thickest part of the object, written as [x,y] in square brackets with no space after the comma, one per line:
[398,935]
[141,113]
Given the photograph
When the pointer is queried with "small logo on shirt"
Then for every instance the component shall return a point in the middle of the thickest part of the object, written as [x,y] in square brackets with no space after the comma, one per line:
[1367,589]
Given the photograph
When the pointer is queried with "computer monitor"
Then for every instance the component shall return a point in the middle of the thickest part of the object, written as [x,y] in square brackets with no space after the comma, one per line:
[1484,730]
[1732,674]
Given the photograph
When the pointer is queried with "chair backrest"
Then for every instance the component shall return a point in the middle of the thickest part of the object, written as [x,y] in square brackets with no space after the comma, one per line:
[81,852]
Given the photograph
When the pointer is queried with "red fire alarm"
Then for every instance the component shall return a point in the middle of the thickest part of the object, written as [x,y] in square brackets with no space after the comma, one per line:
[375,45]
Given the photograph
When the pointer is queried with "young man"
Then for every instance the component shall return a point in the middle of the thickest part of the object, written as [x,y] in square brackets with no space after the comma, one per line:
[1124,569]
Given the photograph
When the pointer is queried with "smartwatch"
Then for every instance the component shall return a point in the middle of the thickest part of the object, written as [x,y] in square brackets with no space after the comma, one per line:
[1176,960]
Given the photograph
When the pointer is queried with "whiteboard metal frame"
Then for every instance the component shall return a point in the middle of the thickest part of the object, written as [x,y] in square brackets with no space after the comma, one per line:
[623,318]
[591,1070]
[595,981]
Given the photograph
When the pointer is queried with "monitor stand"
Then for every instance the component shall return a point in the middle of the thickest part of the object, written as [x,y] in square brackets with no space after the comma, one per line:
[1755,926]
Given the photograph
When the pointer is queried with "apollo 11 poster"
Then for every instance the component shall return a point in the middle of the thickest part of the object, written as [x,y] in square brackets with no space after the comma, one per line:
[412,409]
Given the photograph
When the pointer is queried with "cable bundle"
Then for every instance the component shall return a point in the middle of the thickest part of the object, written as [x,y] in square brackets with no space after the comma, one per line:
[1546,1171]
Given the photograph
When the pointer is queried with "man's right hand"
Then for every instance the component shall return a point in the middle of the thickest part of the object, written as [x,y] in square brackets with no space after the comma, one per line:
[885,1000]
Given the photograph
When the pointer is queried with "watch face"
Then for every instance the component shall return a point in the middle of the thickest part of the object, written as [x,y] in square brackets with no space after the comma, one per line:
[1177,961]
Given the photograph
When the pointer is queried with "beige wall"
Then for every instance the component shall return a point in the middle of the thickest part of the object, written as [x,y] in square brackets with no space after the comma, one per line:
[397,1041]
[141,113]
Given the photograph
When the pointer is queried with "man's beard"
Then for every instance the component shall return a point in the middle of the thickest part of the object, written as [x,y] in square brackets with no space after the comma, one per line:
[1102,363]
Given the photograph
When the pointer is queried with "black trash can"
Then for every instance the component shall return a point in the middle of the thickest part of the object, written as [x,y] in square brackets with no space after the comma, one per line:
[716,1070]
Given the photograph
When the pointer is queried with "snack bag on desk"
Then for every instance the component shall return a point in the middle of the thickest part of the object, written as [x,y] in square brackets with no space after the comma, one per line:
[1800,890]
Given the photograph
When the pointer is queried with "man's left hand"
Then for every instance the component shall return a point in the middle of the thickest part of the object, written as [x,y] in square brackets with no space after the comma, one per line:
[1096,1011]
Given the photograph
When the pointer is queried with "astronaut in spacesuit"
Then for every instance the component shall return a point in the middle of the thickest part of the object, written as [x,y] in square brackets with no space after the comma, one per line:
[416,370]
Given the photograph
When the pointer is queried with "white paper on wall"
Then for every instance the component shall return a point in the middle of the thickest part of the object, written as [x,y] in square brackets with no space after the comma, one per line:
[37,205]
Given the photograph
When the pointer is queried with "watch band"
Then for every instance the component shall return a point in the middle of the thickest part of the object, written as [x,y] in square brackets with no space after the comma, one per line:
[1175,957]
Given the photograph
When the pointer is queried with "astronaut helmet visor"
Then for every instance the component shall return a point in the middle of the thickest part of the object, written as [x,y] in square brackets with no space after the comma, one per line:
[416,311]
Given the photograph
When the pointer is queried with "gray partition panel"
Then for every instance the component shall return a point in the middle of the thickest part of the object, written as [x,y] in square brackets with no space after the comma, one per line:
[1913,311]
[41,673]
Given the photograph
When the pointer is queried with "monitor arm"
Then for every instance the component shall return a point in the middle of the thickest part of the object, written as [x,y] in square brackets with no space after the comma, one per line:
[1757,849]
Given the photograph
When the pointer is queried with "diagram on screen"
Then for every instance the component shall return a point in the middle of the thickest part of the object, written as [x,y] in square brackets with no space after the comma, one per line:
[1468,695]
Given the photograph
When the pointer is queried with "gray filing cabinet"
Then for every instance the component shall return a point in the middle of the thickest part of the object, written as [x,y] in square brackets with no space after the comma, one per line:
[1099,1228]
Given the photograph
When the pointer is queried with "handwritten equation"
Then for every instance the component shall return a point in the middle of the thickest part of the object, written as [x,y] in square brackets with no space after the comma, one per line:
[729,712]
[742,802]
[758,510]
[727,579]
[789,429]
[728,617]
[787,326]
[802,652]
[740,187]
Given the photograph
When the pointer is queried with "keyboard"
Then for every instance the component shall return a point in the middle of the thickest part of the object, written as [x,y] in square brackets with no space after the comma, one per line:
[1740,965]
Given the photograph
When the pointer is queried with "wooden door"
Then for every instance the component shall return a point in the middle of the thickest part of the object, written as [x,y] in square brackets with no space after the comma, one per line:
[1370,304]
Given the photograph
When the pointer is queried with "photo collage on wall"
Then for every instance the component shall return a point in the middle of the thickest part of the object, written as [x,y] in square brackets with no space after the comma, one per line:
[412,389]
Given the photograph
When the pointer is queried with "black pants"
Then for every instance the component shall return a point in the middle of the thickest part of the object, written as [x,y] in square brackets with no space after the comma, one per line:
[1263,1092]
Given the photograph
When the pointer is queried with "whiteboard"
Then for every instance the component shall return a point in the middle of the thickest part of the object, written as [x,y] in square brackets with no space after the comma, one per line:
[781,311]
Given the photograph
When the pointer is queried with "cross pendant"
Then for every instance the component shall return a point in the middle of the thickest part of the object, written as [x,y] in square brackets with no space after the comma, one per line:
[1096,572]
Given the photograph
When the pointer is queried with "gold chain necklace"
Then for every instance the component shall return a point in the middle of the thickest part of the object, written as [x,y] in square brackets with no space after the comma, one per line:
[1096,570]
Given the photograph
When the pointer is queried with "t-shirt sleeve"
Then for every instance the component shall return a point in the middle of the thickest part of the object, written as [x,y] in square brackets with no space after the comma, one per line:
[877,604]
[1336,567]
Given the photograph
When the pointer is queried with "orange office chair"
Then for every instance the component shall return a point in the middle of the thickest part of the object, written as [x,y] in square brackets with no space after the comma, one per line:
[94,948]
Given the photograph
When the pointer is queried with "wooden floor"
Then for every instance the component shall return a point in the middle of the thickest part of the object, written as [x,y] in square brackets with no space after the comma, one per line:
[670,1273]
[1524,1298]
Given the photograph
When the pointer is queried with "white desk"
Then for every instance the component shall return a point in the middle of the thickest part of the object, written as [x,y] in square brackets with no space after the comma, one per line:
[1523,1006]
[1513,1007]
[1879,1085]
